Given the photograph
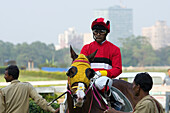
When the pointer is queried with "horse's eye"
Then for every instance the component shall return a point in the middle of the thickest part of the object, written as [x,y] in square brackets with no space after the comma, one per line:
[72,72]
[89,73]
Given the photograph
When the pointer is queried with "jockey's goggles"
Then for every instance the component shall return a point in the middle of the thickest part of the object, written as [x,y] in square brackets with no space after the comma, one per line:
[102,32]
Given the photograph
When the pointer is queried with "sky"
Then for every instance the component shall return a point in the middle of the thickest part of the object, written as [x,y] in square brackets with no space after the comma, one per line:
[42,20]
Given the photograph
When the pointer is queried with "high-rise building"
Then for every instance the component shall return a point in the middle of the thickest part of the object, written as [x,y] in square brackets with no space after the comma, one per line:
[158,35]
[121,22]
[70,37]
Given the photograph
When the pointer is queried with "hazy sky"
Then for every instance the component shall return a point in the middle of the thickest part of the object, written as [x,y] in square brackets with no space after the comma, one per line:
[42,20]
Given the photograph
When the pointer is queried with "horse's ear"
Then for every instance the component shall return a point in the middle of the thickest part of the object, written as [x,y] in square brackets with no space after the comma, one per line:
[73,54]
[91,56]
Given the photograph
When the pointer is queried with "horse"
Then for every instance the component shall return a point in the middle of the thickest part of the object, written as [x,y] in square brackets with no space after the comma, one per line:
[82,94]
[126,88]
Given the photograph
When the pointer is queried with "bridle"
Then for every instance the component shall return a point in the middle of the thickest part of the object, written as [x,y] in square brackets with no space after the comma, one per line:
[93,90]
[83,86]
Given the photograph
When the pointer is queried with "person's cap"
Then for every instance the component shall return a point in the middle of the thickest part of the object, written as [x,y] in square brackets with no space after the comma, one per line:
[101,24]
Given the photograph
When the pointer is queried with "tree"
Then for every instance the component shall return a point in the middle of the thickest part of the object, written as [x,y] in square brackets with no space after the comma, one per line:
[7,52]
[139,51]
[164,55]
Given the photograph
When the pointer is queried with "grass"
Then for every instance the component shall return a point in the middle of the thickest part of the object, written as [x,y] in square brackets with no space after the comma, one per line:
[2,78]
[25,78]
[36,78]
[30,78]
[43,85]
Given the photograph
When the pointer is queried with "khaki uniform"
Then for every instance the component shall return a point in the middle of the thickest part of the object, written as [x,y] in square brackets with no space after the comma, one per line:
[15,98]
[148,105]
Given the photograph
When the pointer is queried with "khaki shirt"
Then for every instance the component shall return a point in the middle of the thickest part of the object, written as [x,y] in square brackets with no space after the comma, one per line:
[147,105]
[15,98]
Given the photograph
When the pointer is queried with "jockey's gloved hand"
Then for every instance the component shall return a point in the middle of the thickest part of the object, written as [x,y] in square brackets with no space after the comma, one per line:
[97,75]
[100,73]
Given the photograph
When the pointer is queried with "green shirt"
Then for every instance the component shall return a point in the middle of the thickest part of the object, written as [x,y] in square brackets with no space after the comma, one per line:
[15,98]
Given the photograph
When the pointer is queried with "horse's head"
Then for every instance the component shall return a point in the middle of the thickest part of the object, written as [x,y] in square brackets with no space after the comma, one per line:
[79,75]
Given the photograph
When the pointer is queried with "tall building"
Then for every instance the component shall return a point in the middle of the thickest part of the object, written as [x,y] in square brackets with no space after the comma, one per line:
[158,35]
[70,37]
[121,22]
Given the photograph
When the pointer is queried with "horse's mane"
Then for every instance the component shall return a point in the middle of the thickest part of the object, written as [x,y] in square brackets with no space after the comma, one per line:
[117,82]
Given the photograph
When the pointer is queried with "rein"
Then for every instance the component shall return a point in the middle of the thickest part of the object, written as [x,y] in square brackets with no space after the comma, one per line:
[99,97]
[93,93]
[92,86]
[91,102]
[56,98]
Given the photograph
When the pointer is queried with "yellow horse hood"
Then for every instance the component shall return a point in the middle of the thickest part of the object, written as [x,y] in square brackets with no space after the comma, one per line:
[82,64]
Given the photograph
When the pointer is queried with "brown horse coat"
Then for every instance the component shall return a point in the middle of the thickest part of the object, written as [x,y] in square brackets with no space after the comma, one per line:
[126,89]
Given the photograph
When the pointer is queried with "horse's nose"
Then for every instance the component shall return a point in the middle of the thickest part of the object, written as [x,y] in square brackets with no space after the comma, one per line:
[80,99]
[75,96]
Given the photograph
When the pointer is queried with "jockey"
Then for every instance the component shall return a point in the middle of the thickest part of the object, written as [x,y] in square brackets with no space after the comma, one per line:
[107,63]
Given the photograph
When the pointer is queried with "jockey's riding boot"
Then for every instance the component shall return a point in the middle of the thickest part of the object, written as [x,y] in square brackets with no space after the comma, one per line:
[115,103]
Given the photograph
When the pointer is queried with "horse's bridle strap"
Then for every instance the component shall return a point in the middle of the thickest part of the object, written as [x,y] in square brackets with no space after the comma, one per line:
[80,88]
[81,61]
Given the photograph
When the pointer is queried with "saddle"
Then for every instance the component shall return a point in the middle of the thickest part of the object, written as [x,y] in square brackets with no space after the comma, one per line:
[120,97]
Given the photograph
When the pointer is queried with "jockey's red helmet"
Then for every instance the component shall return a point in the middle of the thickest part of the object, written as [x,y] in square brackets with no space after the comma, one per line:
[101,22]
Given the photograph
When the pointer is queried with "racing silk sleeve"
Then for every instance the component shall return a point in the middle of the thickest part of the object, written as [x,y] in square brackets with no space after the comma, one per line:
[108,57]
[116,65]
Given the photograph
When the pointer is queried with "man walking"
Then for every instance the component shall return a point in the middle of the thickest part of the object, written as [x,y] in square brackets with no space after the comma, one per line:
[14,98]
